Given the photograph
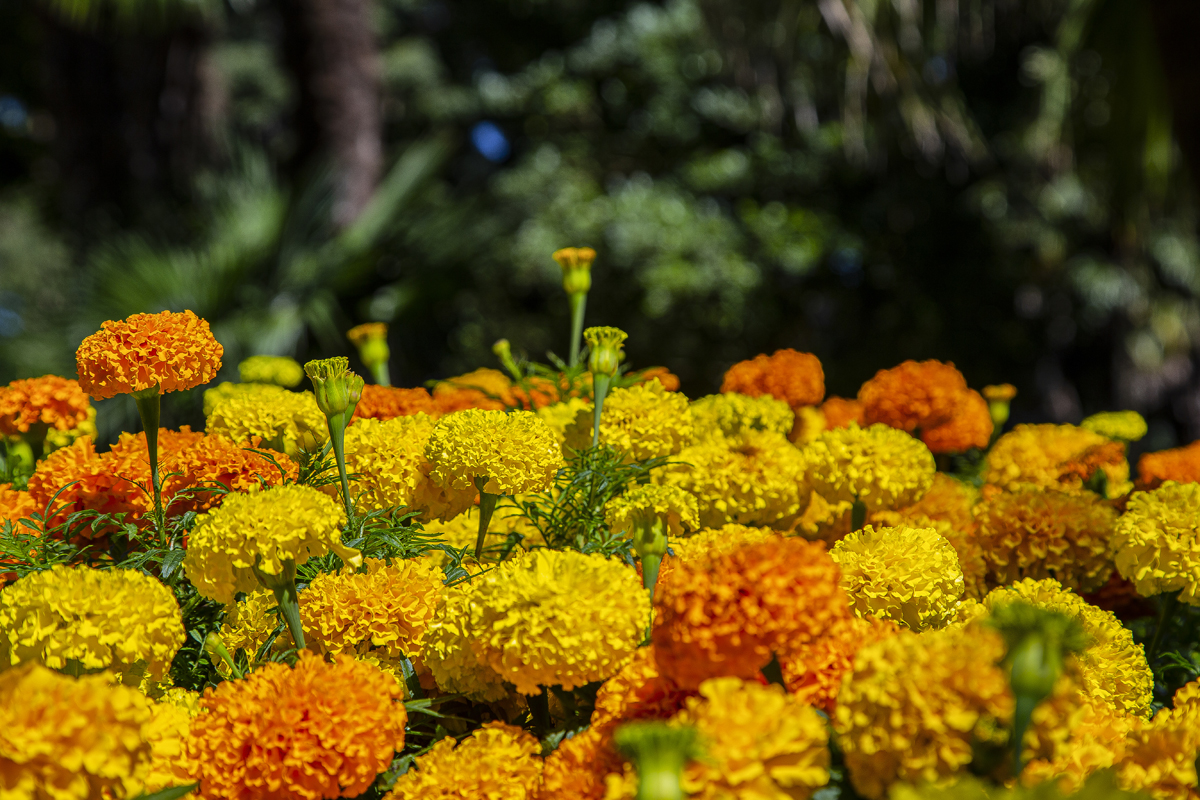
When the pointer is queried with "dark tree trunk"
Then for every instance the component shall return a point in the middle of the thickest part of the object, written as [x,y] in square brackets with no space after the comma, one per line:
[332,50]
[1176,23]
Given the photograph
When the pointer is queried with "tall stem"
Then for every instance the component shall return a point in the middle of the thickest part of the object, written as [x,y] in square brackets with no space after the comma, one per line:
[600,385]
[381,374]
[1022,717]
[337,438]
[858,515]
[487,505]
[283,586]
[149,406]
[650,565]
[578,303]
[1165,612]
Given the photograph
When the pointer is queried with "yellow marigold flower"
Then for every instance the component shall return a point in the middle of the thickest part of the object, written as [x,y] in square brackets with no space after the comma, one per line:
[391,468]
[514,453]
[732,413]
[388,607]
[49,400]
[72,738]
[1057,457]
[1113,669]
[1160,755]
[454,657]
[320,730]
[262,530]
[1157,544]
[560,416]
[644,421]
[727,614]
[249,623]
[880,466]
[166,734]
[907,575]
[1071,739]
[674,506]
[761,741]
[913,705]
[526,623]
[496,760]
[285,421]
[172,351]
[1127,426]
[277,370]
[751,479]
[793,377]
[100,618]
[1034,532]
[813,671]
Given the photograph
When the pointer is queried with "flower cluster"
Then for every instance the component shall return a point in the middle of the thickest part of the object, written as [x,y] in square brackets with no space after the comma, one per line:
[285,421]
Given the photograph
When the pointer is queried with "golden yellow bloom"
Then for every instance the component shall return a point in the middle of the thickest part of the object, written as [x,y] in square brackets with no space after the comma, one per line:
[168,350]
[277,370]
[285,421]
[1160,756]
[387,608]
[72,738]
[514,453]
[456,660]
[389,462]
[1034,532]
[166,734]
[49,400]
[1113,668]
[907,575]
[1127,426]
[762,743]
[880,466]
[496,760]
[100,618]
[262,530]
[249,623]
[320,730]
[1057,457]
[674,506]
[751,479]
[644,421]
[525,621]
[913,705]
[732,413]
[1157,544]
[1073,738]
[560,416]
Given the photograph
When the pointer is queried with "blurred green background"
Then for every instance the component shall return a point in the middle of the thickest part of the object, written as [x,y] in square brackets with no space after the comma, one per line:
[1004,184]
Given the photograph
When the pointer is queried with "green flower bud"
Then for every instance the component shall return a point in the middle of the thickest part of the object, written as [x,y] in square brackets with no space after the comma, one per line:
[607,350]
[576,263]
[659,752]
[337,389]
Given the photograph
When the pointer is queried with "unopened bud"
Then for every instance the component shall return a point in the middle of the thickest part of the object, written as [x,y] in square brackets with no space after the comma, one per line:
[371,340]
[576,263]
[336,387]
[606,349]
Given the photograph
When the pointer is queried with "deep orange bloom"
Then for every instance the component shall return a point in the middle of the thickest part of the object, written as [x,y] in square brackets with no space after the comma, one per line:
[577,769]
[389,402]
[14,506]
[172,351]
[727,614]
[49,400]
[813,671]
[787,375]
[1180,464]
[93,483]
[971,426]
[840,412]
[483,388]
[669,381]
[916,394]
[320,730]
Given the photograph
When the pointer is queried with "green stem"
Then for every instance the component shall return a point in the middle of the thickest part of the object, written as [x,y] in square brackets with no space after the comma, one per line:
[337,438]
[381,374]
[858,515]
[650,566]
[1165,612]
[600,385]
[283,586]
[1022,717]
[487,505]
[149,406]
[578,303]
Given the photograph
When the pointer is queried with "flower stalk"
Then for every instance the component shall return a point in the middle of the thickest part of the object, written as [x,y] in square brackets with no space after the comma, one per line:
[576,263]
[149,406]
[606,351]
[283,586]
[338,391]
[659,752]
[487,506]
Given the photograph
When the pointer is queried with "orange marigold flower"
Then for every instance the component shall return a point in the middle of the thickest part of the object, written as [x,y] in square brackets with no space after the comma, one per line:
[1039,533]
[93,485]
[578,768]
[669,381]
[15,505]
[172,351]
[926,395]
[214,459]
[320,730]
[389,402]
[971,426]
[482,388]
[1180,464]
[840,412]
[48,400]
[813,671]
[793,377]
[726,615]
[638,691]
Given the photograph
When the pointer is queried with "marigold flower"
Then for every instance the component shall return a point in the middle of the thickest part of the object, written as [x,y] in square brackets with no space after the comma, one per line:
[915,394]
[483,388]
[1113,668]
[388,608]
[751,479]
[388,460]
[669,380]
[710,542]
[515,453]
[16,505]
[908,575]
[172,351]
[49,400]
[762,742]
[86,481]
[732,413]
[813,671]
[560,416]
[840,412]
[879,466]
[166,733]
[277,370]
[249,623]
[261,531]
[100,618]
[1160,756]
[496,760]
[971,426]
[285,421]
[576,263]
[913,705]
[72,738]
[727,614]
[795,378]
[389,402]
[525,622]
[1127,426]
[320,730]
[1156,543]
[1180,464]
[214,459]
[1057,457]
[455,658]
[675,507]
[1035,532]
[644,421]
[1073,738]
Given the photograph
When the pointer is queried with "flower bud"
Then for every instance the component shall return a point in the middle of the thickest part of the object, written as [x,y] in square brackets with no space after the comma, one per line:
[999,398]
[606,349]
[371,340]
[659,752]
[503,351]
[576,263]
[337,388]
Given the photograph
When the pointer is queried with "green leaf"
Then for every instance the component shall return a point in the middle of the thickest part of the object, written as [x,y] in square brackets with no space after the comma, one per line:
[170,793]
